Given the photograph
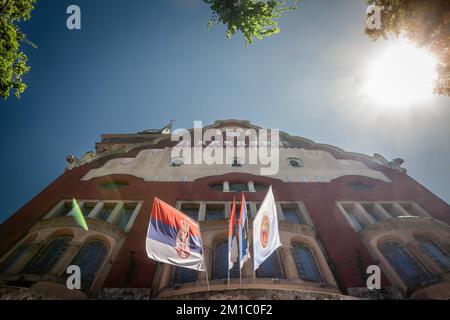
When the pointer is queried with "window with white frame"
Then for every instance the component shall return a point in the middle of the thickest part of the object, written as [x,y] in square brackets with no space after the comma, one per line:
[106,211]
[412,209]
[292,213]
[361,214]
[191,210]
[64,210]
[353,216]
[371,211]
[119,213]
[436,253]
[125,215]
[215,212]
[391,209]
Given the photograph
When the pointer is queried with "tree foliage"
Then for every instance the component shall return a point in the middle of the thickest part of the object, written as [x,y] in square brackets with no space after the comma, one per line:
[254,18]
[13,62]
[425,23]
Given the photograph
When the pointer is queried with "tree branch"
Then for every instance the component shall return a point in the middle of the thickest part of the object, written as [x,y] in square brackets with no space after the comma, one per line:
[4,6]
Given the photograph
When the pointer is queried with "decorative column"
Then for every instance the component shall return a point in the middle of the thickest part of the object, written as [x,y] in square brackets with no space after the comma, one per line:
[115,213]
[228,209]
[96,210]
[288,263]
[280,212]
[367,218]
[202,211]
[226,186]
[383,212]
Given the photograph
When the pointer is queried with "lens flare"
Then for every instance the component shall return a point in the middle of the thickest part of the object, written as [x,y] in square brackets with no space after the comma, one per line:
[401,76]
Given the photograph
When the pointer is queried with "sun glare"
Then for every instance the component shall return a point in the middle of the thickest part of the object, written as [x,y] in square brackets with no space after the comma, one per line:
[401,75]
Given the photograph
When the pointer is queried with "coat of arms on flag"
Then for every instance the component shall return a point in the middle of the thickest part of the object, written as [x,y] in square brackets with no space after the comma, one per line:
[266,237]
[174,238]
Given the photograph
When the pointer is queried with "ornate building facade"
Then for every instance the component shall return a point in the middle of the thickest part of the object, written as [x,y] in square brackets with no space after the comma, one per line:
[339,212]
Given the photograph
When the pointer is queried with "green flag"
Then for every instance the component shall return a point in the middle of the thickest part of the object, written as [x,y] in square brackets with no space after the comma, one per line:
[77,214]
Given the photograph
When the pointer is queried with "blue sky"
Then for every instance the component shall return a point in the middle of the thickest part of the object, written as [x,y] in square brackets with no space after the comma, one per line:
[137,64]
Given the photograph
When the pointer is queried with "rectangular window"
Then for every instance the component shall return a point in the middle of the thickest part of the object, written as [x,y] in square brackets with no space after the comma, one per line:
[291,213]
[370,209]
[215,212]
[191,210]
[65,210]
[106,212]
[87,208]
[125,215]
[410,209]
[353,216]
[389,208]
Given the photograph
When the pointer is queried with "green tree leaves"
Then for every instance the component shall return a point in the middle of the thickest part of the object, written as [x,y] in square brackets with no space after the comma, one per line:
[425,23]
[13,62]
[254,18]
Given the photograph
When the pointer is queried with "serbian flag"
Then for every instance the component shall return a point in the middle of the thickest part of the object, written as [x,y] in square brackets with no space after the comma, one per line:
[174,238]
[232,239]
[244,251]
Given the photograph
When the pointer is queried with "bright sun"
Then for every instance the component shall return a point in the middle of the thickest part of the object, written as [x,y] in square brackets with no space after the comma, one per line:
[401,75]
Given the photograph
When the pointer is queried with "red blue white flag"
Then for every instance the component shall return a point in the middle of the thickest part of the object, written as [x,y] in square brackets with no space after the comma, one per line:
[174,238]
[244,250]
[232,238]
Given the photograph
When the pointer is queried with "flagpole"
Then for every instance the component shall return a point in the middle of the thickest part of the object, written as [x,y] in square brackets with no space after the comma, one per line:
[240,274]
[203,255]
[206,273]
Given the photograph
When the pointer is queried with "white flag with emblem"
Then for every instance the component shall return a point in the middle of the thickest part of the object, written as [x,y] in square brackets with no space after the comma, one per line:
[266,237]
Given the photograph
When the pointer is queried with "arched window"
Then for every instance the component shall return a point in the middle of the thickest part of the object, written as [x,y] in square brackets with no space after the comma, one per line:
[270,268]
[46,259]
[90,259]
[436,253]
[183,275]
[306,263]
[405,264]
[17,256]
[220,262]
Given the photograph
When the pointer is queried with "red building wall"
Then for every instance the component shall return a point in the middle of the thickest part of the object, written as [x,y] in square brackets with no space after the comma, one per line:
[340,241]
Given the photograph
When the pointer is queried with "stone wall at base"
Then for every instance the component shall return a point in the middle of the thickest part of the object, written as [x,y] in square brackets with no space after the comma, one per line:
[124,294]
[385,293]
[14,293]
[258,294]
